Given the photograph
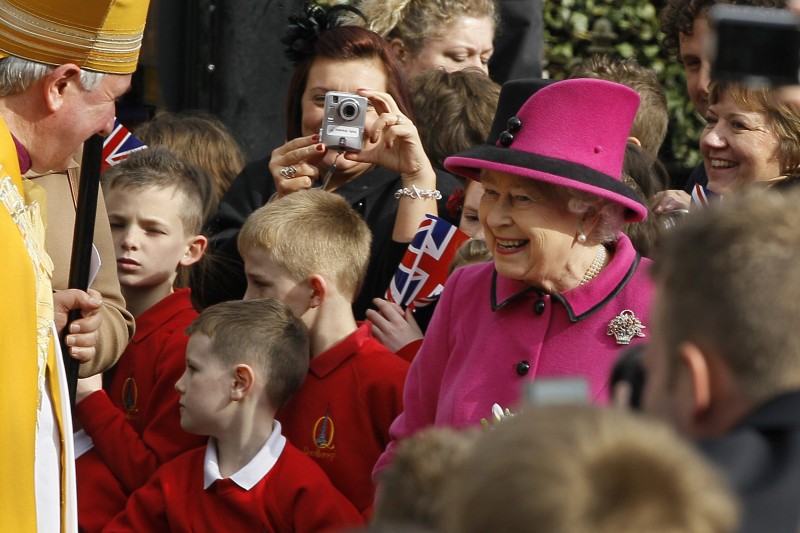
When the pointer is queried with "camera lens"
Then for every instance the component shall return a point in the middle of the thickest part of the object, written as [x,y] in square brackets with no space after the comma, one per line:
[348,109]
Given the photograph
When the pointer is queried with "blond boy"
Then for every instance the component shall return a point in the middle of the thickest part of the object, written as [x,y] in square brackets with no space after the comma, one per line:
[310,249]
[243,361]
[156,206]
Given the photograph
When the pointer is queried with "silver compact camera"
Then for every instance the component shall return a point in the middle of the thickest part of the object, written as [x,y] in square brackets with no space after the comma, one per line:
[343,121]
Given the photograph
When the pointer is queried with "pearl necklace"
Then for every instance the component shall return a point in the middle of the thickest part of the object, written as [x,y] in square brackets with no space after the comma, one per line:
[596,266]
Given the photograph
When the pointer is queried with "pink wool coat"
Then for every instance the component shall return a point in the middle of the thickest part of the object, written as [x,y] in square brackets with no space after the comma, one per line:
[485,325]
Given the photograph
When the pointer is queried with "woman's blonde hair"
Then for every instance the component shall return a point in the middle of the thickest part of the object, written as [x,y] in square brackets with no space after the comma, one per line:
[415,22]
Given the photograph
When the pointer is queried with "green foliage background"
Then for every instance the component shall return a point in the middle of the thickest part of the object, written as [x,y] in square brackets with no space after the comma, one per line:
[568,28]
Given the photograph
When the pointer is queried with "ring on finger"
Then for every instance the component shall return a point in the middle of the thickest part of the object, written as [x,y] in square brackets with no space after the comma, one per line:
[399,120]
[289,172]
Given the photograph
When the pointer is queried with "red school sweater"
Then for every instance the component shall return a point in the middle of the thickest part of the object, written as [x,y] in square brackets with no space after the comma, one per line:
[341,415]
[293,496]
[135,427]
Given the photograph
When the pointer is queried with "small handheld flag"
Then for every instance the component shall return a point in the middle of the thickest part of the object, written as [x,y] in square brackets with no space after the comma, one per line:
[119,145]
[421,275]
[702,196]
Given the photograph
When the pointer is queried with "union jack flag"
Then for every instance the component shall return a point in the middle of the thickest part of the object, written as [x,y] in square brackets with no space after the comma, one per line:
[702,196]
[420,277]
[119,145]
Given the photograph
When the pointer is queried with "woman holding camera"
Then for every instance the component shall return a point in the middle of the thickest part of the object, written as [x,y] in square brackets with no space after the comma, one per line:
[390,181]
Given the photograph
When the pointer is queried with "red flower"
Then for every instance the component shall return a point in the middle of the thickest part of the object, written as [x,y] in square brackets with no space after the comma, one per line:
[454,204]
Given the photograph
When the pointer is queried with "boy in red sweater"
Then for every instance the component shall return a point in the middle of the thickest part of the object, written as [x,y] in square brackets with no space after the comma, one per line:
[243,361]
[156,206]
[310,249]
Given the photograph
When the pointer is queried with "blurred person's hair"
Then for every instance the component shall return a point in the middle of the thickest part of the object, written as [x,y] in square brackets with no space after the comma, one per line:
[472,252]
[731,284]
[582,469]
[200,138]
[410,489]
[455,110]
[647,176]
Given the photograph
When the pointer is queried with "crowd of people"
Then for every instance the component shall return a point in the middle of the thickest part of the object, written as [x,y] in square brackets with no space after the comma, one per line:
[603,354]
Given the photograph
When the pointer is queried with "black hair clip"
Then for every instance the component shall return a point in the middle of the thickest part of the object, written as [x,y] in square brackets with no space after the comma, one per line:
[305,29]
[507,137]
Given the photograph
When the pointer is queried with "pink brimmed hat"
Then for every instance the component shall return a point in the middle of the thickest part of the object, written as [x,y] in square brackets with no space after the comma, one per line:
[571,133]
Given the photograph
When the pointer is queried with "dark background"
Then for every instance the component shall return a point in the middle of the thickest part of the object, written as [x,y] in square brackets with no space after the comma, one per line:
[225,56]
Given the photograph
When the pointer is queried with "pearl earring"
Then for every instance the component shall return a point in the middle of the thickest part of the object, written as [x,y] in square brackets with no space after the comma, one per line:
[581,238]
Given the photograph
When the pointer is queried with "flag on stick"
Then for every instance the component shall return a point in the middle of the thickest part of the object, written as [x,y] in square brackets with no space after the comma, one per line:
[119,145]
[420,277]
[702,196]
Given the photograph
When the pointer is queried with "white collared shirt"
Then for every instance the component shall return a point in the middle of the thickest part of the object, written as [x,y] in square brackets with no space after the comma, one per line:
[254,471]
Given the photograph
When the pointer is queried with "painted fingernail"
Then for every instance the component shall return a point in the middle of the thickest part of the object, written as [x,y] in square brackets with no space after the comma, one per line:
[320,148]
[315,137]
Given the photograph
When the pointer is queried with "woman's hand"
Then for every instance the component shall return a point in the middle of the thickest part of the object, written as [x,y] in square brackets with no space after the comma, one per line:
[671,200]
[83,332]
[392,141]
[392,326]
[294,165]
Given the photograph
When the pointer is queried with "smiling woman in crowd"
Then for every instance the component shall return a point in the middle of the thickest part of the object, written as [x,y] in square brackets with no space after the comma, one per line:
[751,137]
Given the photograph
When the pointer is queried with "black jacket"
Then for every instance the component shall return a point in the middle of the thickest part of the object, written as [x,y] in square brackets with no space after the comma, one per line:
[371,194]
[761,459]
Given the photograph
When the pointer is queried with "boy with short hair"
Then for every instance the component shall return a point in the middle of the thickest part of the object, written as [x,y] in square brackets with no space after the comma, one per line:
[156,206]
[310,249]
[243,361]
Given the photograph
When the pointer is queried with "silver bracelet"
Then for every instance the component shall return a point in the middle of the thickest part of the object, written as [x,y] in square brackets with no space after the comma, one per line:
[415,193]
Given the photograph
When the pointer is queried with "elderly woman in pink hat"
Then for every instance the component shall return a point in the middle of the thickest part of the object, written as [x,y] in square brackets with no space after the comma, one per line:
[566,290]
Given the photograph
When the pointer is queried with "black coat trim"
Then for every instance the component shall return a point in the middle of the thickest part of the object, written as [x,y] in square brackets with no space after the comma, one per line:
[496,306]
[572,316]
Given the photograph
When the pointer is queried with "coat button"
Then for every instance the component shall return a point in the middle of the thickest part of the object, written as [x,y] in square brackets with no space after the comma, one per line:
[538,306]
[522,367]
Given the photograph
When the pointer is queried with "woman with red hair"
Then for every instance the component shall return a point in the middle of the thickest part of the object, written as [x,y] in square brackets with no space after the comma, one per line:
[390,181]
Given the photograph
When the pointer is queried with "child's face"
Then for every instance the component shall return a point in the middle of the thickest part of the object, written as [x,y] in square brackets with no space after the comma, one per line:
[470,223]
[205,388]
[149,239]
[266,279]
